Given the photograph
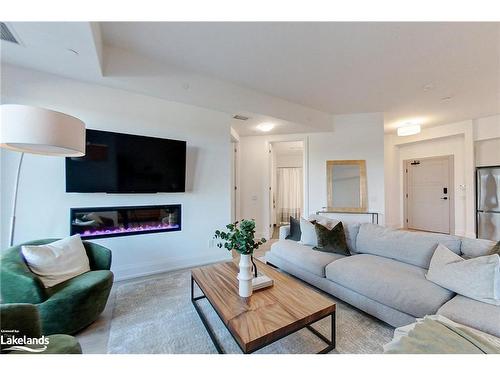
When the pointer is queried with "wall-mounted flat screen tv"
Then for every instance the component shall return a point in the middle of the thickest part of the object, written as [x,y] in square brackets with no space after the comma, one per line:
[124,163]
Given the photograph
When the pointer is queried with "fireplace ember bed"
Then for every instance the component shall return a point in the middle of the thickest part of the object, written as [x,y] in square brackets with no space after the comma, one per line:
[100,222]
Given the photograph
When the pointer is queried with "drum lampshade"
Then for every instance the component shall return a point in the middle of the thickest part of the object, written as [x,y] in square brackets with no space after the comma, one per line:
[41,131]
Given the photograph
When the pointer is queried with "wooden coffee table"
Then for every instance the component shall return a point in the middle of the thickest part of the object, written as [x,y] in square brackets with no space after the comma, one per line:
[266,316]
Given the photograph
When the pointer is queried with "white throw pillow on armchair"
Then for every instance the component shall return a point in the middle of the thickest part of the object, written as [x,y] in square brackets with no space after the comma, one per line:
[57,261]
[476,278]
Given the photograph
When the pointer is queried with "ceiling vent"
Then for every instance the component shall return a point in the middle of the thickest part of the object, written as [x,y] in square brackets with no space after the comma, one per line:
[240,117]
[6,34]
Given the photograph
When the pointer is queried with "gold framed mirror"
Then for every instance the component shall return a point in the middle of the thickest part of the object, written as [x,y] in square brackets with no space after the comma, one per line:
[346,185]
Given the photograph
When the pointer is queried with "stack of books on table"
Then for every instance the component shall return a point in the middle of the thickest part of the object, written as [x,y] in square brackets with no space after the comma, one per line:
[261,281]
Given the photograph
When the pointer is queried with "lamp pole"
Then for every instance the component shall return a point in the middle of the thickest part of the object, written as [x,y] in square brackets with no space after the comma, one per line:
[14,201]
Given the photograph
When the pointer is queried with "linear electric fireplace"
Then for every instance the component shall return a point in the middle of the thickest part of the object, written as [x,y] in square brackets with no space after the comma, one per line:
[98,222]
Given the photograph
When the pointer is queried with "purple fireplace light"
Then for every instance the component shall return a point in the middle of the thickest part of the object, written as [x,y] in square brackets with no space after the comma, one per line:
[99,222]
[140,228]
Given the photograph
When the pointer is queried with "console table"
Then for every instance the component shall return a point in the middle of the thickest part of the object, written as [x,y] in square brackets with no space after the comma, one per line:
[374,215]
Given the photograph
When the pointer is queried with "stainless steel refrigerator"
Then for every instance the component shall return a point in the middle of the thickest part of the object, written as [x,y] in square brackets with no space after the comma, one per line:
[488,202]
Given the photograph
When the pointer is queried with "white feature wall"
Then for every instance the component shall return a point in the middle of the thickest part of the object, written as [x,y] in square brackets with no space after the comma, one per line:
[43,206]
[357,136]
[487,152]
[487,141]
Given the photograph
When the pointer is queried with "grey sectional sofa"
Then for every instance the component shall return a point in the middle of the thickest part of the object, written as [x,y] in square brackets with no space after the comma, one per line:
[385,276]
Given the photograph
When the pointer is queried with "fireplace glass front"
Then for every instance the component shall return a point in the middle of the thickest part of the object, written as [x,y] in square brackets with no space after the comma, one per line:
[99,222]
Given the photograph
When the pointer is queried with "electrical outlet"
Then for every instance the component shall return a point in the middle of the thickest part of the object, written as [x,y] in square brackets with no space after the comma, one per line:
[211,243]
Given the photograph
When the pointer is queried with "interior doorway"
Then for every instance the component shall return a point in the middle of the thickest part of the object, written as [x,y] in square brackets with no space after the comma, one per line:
[429,194]
[287,183]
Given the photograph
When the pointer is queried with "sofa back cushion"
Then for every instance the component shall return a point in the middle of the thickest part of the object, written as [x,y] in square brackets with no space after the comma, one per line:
[473,247]
[414,248]
[351,233]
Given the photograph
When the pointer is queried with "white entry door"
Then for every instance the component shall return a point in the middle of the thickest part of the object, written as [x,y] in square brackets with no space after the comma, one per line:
[429,194]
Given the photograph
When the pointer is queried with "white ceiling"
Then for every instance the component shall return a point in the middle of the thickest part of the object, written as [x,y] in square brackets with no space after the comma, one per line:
[51,46]
[294,74]
[339,67]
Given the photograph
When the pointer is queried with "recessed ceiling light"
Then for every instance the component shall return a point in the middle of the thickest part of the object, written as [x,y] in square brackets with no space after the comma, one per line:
[408,129]
[265,127]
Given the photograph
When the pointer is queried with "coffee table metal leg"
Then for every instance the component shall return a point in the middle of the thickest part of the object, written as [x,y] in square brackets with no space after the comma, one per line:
[334,330]
[204,319]
[331,342]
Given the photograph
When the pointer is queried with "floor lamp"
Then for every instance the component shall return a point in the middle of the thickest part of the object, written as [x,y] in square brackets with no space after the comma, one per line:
[34,130]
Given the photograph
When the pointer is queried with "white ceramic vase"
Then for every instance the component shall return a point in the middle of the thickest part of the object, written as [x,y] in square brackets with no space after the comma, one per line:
[245,276]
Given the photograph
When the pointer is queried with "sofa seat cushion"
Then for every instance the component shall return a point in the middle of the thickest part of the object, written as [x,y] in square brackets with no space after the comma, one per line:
[304,256]
[398,285]
[479,315]
[415,248]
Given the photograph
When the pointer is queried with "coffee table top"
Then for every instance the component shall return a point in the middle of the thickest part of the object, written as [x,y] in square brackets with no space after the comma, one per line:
[268,314]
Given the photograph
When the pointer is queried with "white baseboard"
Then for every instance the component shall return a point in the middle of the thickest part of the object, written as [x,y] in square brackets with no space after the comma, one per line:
[127,272]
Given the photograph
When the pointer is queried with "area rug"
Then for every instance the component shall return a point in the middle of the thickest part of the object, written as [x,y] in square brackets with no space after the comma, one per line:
[156,316]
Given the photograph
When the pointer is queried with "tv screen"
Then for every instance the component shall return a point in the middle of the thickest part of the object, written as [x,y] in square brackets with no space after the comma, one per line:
[124,163]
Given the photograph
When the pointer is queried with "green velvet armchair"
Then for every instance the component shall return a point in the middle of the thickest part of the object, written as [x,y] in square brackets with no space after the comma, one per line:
[64,308]
[22,319]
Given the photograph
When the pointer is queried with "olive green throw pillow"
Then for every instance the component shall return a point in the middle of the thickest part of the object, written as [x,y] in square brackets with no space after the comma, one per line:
[331,240]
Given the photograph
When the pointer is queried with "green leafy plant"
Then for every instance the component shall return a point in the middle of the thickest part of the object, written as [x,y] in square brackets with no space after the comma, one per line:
[240,236]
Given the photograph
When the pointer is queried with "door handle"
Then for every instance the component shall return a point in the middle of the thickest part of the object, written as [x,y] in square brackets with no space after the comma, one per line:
[445,198]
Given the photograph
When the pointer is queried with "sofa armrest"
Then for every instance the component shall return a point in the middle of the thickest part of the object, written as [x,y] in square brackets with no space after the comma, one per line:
[99,256]
[284,231]
[17,283]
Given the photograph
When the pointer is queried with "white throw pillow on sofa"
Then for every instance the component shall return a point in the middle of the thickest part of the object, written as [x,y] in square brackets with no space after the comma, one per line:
[57,261]
[476,278]
[308,233]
